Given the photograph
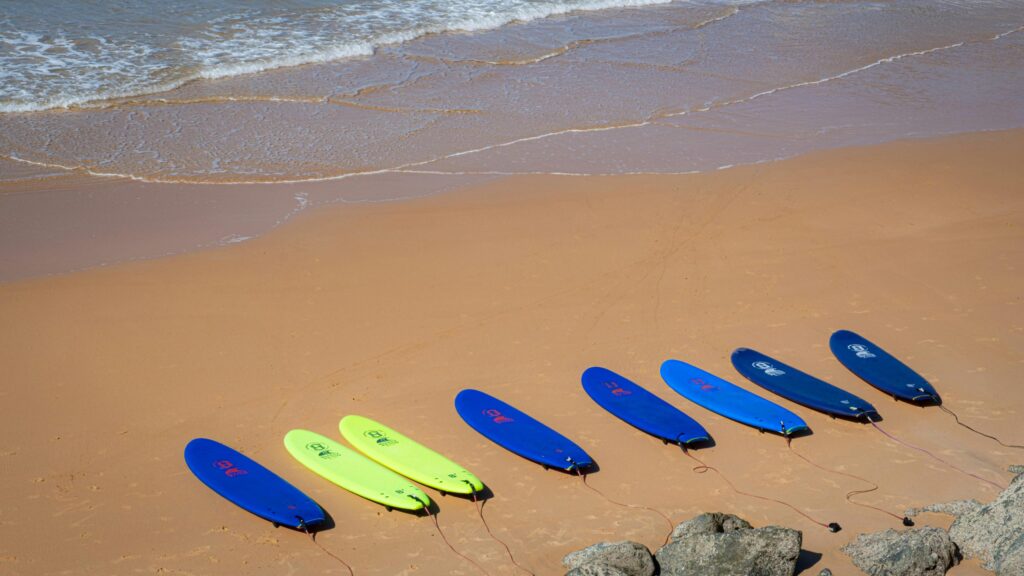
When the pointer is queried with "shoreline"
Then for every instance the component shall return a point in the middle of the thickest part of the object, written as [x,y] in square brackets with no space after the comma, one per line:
[515,286]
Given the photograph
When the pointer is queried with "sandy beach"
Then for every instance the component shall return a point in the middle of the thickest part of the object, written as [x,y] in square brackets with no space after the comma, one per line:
[515,286]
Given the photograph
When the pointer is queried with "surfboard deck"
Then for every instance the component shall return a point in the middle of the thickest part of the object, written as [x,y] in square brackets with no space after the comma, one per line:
[406,456]
[729,400]
[882,370]
[518,432]
[800,387]
[250,486]
[353,471]
[640,408]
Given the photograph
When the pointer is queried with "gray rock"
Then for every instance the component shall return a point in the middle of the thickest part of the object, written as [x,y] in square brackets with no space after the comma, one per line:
[1016,468]
[955,508]
[825,572]
[711,546]
[994,532]
[631,558]
[710,523]
[917,552]
[596,569]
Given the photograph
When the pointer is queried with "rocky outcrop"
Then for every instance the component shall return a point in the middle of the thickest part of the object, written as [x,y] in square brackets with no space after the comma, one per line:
[611,559]
[725,545]
[917,552]
[994,532]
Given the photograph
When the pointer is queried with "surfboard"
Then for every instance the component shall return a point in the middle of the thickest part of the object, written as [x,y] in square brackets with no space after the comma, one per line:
[800,387]
[729,400]
[519,433]
[407,457]
[248,485]
[353,471]
[640,408]
[881,369]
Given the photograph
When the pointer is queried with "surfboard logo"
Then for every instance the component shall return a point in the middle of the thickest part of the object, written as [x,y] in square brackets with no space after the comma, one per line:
[767,368]
[322,450]
[616,390]
[230,470]
[700,383]
[860,350]
[496,416]
[380,438]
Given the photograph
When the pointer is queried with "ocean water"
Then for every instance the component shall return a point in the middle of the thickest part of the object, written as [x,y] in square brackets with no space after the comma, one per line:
[232,92]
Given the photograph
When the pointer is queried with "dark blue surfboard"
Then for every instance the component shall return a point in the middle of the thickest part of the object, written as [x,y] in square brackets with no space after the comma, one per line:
[250,486]
[725,398]
[880,369]
[517,432]
[800,387]
[638,407]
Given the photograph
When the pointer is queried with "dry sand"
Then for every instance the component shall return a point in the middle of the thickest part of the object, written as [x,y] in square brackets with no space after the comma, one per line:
[515,287]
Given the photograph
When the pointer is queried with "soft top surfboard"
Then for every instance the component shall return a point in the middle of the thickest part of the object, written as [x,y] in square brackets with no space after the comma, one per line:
[250,486]
[353,471]
[798,386]
[407,457]
[880,369]
[636,406]
[729,400]
[518,432]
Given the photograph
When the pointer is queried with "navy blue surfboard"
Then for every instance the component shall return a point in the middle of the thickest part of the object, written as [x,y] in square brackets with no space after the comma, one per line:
[250,486]
[517,432]
[880,369]
[725,398]
[800,387]
[640,408]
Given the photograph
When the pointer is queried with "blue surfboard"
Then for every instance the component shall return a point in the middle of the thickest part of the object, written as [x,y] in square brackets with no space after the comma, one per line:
[250,486]
[725,398]
[640,408]
[800,387]
[517,432]
[880,369]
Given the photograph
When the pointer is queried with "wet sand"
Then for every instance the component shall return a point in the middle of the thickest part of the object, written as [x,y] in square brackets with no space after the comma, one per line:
[515,287]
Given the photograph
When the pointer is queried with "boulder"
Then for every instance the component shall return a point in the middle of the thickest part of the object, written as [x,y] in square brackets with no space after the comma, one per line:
[629,558]
[725,545]
[994,532]
[917,552]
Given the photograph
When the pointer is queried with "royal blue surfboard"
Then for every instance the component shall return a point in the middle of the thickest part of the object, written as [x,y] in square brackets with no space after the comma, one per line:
[517,432]
[729,400]
[640,408]
[800,387]
[880,369]
[250,486]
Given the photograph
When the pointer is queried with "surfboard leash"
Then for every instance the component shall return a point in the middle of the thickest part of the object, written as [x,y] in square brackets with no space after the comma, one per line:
[702,468]
[929,453]
[976,431]
[668,520]
[480,510]
[849,495]
[312,536]
[437,525]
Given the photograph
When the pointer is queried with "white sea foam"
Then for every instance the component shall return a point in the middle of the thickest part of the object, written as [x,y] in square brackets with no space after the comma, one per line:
[58,64]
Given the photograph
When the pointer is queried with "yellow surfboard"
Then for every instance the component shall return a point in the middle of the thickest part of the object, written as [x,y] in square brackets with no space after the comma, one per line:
[353,471]
[407,457]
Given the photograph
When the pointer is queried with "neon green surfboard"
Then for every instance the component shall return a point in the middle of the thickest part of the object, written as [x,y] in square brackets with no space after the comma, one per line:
[353,471]
[407,457]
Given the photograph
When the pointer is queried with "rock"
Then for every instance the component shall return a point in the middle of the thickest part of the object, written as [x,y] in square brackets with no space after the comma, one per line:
[710,523]
[955,508]
[994,532]
[629,558]
[596,569]
[917,552]
[825,572]
[1016,469]
[725,545]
